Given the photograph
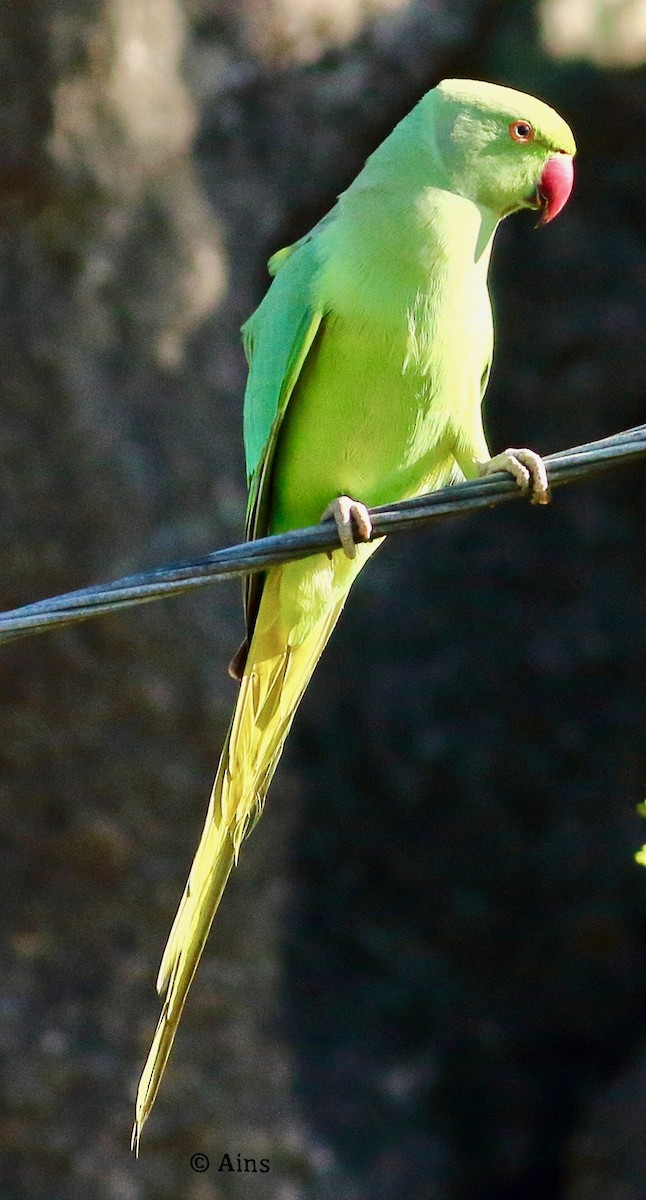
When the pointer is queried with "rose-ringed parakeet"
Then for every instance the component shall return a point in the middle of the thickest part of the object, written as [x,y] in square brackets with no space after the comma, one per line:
[368,359]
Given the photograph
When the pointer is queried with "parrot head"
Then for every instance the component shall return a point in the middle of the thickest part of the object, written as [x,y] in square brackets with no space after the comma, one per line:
[501,148]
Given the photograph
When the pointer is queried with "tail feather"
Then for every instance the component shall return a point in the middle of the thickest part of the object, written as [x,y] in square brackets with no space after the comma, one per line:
[270,692]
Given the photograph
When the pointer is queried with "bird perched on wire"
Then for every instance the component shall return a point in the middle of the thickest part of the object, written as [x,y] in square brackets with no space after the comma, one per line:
[368,360]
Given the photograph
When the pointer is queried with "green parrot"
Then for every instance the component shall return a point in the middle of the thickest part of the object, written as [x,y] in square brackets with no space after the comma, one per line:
[368,359]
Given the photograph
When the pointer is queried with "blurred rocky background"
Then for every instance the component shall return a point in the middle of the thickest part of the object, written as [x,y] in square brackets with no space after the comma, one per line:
[428,977]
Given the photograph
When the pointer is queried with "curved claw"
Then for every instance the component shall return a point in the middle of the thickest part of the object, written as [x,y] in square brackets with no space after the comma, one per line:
[526,466]
[352,520]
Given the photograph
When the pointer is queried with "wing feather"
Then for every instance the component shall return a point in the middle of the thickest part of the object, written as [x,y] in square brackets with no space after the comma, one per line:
[277,339]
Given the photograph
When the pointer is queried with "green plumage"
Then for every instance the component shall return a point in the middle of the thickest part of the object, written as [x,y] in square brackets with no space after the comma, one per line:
[368,359]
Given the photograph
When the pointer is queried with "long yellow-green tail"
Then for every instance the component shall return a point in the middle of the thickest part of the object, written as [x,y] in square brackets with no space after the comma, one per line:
[274,679]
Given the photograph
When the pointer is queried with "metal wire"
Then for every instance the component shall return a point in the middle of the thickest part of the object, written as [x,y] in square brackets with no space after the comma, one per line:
[580,462]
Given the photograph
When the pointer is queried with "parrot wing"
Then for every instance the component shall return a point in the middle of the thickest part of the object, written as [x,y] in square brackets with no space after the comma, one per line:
[276,261]
[277,340]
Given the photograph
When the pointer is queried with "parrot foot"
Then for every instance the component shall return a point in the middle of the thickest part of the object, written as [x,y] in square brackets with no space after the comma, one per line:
[527,468]
[352,520]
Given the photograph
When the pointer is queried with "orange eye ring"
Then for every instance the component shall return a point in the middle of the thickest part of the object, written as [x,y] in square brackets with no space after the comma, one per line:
[521,131]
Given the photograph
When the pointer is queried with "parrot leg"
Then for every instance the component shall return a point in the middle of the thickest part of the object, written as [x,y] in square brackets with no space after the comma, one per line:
[352,520]
[527,468]
[239,661]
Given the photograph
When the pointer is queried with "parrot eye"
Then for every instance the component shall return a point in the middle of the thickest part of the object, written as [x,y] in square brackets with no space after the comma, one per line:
[521,131]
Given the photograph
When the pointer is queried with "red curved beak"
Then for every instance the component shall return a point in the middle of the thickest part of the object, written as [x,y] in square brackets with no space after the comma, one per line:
[554,186]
